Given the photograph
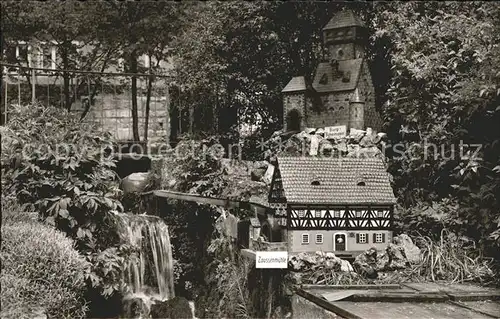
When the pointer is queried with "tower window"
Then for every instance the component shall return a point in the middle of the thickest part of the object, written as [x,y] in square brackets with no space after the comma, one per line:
[340,53]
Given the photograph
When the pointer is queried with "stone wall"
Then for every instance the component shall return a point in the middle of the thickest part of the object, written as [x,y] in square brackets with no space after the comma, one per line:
[114,114]
[372,117]
[294,101]
[333,111]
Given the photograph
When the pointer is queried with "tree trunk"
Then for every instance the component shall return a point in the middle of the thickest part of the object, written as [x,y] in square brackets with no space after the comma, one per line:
[135,117]
[148,100]
[66,78]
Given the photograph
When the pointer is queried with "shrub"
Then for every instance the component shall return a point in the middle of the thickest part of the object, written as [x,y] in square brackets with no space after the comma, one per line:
[41,269]
[57,164]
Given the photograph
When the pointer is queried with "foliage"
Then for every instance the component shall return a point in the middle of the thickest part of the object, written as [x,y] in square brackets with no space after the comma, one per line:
[41,268]
[107,269]
[57,164]
[443,95]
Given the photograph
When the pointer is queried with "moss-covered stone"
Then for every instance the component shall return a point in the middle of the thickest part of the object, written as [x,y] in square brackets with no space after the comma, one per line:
[177,308]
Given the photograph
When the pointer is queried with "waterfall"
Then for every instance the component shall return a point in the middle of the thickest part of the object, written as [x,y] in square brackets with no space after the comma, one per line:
[149,271]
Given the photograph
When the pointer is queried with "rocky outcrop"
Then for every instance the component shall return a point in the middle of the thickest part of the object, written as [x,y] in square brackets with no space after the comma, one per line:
[312,142]
[411,251]
[397,256]
[176,307]
[366,264]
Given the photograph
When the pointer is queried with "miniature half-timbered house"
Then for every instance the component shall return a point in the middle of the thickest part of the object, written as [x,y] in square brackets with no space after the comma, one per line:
[340,205]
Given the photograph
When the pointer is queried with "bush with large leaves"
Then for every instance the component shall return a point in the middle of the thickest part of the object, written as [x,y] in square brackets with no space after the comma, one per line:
[58,165]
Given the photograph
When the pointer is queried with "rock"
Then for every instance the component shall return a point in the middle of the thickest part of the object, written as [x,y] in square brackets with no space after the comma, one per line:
[135,307]
[411,251]
[325,147]
[397,258]
[330,255]
[268,175]
[320,131]
[297,264]
[177,307]
[367,141]
[346,266]
[366,263]
[134,183]
[382,261]
[257,174]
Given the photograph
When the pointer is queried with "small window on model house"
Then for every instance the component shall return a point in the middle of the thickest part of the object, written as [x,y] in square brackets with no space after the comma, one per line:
[378,238]
[319,238]
[317,214]
[362,238]
[305,239]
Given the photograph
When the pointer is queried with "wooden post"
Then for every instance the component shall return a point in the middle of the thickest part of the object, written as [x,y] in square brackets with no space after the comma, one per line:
[167,120]
[18,88]
[33,86]
[5,108]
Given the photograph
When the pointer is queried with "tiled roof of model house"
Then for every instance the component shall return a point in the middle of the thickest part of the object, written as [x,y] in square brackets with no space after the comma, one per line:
[330,180]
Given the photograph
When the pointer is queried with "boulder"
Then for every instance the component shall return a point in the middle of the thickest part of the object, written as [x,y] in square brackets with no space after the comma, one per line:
[411,251]
[367,141]
[257,174]
[268,175]
[135,307]
[366,263]
[134,183]
[345,266]
[382,261]
[296,263]
[177,307]
[397,259]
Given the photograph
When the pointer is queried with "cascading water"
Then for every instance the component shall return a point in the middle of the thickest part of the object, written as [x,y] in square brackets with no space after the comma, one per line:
[149,273]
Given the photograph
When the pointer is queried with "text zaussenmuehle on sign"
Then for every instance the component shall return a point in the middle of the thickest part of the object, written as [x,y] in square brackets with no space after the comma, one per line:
[271,259]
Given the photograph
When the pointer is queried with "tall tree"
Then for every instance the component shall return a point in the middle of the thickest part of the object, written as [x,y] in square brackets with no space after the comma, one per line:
[444,91]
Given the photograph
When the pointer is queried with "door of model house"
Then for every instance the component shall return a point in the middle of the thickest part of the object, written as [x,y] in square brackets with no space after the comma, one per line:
[339,240]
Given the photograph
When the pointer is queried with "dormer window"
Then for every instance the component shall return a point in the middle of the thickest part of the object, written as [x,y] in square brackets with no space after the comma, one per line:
[361,181]
[315,180]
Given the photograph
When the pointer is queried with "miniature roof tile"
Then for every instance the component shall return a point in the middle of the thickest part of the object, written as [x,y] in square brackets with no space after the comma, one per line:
[297,83]
[254,222]
[343,19]
[353,66]
[338,181]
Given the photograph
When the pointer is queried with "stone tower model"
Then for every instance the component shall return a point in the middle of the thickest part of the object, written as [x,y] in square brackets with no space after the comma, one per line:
[341,92]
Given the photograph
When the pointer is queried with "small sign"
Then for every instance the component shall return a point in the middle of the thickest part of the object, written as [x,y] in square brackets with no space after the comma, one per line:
[271,259]
[333,132]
